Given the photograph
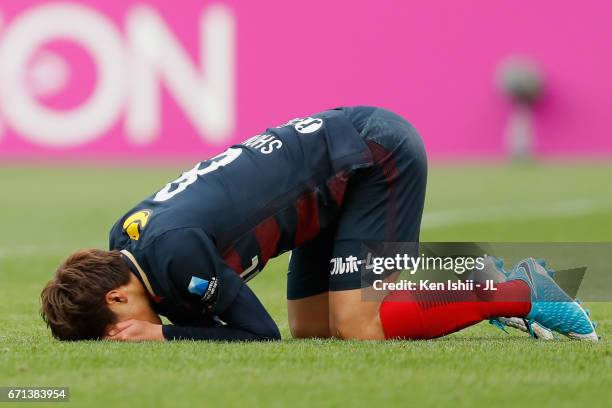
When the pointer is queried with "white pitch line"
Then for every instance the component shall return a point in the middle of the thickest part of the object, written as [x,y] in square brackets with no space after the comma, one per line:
[476,215]
[41,249]
[431,220]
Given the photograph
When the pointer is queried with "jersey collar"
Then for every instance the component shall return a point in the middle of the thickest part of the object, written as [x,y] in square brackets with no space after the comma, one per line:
[143,277]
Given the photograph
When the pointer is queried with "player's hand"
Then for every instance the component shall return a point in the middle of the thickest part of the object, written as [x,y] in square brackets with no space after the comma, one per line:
[135,330]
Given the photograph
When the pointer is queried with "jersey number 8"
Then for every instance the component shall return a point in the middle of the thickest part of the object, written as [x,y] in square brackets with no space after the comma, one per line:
[180,184]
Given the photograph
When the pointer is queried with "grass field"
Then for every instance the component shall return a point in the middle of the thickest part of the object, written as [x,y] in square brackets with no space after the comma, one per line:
[48,212]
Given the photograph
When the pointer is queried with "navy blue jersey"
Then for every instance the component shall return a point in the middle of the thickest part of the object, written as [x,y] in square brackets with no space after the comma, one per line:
[195,241]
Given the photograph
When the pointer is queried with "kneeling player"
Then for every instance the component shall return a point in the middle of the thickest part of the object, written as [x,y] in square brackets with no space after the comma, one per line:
[329,297]
[319,186]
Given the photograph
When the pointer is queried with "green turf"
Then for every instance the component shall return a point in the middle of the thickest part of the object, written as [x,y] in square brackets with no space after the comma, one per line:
[47,212]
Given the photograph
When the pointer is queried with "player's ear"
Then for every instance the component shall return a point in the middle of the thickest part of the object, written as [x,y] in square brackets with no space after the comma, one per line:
[116,296]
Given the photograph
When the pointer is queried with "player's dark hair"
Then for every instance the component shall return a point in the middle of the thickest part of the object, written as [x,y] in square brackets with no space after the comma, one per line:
[74,302]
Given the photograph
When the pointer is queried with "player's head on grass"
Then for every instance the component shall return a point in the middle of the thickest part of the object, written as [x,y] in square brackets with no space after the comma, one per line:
[91,291]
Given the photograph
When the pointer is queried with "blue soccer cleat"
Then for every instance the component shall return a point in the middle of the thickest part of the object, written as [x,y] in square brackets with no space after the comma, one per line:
[551,307]
[494,270]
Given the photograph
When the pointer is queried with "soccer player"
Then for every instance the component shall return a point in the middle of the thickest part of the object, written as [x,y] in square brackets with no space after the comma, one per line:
[320,187]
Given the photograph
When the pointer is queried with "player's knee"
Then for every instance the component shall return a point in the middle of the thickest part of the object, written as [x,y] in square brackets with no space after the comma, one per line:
[355,327]
[298,329]
[308,329]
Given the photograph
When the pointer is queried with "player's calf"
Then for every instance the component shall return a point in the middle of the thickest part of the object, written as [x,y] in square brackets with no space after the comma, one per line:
[419,315]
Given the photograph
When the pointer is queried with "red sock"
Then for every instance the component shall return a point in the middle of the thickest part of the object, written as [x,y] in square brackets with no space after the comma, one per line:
[416,314]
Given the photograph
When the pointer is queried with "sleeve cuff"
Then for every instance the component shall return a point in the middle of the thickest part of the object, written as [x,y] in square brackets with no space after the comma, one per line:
[169,332]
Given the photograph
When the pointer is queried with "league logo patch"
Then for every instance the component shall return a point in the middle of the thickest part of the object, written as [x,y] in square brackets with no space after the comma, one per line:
[134,224]
[212,289]
[198,286]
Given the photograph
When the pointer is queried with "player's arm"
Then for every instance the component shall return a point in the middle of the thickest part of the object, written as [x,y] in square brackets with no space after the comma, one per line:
[201,278]
[245,319]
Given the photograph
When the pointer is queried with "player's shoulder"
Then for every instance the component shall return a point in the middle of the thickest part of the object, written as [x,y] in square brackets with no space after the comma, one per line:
[130,228]
[144,226]
[162,254]
[179,241]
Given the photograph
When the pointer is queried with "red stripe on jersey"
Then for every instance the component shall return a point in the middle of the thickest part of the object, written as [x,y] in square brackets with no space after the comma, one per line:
[337,187]
[307,209]
[268,234]
[232,258]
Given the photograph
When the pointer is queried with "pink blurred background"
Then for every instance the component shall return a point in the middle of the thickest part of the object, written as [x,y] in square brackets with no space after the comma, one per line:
[155,89]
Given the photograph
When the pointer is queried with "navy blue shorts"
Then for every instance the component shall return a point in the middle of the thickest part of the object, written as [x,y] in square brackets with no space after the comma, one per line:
[382,203]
